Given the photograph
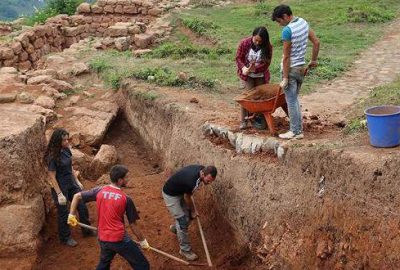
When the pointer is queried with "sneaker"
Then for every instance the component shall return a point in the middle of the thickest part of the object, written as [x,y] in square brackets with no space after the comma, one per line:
[299,136]
[70,242]
[189,255]
[172,228]
[288,135]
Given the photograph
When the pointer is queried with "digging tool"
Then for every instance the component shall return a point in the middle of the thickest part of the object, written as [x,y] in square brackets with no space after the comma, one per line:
[152,248]
[203,239]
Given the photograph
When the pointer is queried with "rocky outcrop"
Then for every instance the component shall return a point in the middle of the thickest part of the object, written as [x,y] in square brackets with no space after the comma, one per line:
[22,181]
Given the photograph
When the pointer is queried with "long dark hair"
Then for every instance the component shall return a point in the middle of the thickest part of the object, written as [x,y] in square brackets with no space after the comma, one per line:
[53,150]
[266,52]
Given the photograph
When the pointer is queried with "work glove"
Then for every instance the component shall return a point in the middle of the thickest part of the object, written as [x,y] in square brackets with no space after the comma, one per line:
[284,83]
[144,244]
[245,70]
[72,220]
[61,199]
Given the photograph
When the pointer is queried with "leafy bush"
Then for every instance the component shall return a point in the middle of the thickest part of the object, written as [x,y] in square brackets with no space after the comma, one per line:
[369,14]
[197,25]
[40,16]
[99,64]
[53,8]
[64,6]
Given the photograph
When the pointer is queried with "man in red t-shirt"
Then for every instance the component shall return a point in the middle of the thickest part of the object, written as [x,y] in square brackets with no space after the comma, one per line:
[112,204]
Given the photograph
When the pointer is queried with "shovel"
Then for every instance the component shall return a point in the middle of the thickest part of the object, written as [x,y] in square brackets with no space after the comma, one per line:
[152,249]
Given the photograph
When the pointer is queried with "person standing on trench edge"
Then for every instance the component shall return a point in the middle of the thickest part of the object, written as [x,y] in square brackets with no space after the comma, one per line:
[65,184]
[295,34]
[112,204]
[177,193]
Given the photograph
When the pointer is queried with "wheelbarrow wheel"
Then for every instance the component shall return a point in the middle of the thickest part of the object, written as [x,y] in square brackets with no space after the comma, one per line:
[259,122]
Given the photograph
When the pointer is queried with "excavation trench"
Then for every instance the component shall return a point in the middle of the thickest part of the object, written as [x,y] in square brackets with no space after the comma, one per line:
[319,207]
[146,180]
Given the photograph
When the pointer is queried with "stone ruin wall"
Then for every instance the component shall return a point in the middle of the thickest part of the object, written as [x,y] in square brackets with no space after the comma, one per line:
[106,18]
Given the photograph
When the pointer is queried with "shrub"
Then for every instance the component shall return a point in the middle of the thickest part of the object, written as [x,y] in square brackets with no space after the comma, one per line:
[198,26]
[53,8]
[99,64]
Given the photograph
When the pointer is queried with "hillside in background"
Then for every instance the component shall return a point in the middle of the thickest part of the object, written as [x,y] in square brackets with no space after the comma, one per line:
[12,9]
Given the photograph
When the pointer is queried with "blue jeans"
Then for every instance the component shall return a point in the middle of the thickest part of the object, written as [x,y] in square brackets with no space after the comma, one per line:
[127,249]
[296,77]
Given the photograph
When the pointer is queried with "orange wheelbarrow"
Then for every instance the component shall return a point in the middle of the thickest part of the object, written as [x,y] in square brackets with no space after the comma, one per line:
[264,99]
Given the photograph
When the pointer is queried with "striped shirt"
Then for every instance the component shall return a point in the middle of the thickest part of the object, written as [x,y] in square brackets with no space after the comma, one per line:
[297,33]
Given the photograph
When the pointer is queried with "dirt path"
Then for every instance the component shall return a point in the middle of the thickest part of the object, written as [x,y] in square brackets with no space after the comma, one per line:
[377,65]
[146,180]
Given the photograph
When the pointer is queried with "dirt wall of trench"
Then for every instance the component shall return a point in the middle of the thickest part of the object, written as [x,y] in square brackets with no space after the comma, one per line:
[319,208]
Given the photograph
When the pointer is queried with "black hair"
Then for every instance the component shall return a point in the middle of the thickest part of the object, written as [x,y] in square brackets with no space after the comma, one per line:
[281,10]
[117,172]
[53,150]
[210,170]
[266,52]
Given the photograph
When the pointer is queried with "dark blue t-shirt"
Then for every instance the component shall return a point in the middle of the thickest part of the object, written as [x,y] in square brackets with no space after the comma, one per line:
[186,180]
[64,174]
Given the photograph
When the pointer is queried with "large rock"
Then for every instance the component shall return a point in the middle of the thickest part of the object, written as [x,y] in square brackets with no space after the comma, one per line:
[41,79]
[25,98]
[91,124]
[102,162]
[6,53]
[60,85]
[117,31]
[83,8]
[81,161]
[8,70]
[45,102]
[143,41]
[7,97]
[20,225]
[122,43]
[22,179]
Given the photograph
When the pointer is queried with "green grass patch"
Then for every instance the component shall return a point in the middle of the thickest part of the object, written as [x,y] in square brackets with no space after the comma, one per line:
[198,26]
[114,66]
[342,36]
[383,95]
[149,95]
[212,64]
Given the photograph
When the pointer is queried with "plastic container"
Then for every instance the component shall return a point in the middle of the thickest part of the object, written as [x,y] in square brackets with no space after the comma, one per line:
[384,125]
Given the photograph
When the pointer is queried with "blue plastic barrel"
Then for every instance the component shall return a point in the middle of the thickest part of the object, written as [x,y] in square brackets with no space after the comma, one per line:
[384,125]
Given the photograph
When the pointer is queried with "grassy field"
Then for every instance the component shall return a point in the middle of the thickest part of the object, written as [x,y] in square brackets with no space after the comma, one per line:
[207,54]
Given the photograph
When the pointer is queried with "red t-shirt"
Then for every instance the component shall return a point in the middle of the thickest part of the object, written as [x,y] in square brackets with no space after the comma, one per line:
[112,204]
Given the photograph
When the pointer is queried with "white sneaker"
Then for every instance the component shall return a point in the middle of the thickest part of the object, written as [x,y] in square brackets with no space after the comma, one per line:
[299,136]
[288,135]
[189,255]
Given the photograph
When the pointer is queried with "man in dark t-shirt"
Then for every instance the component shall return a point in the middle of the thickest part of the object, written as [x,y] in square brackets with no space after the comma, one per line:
[177,193]
[112,204]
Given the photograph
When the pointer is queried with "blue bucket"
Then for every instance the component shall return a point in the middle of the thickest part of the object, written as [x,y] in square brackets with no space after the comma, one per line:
[384,125]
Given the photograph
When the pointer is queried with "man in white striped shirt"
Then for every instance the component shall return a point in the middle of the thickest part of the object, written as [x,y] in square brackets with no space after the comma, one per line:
[295,34]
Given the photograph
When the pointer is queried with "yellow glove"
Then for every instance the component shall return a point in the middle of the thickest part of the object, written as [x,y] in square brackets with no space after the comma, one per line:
[144,244]
[72,220]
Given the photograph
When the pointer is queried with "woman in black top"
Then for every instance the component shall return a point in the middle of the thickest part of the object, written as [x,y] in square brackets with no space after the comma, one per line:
[64,183]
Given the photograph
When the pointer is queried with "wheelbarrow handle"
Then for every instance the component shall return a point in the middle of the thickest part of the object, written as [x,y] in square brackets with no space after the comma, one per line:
[276,99]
